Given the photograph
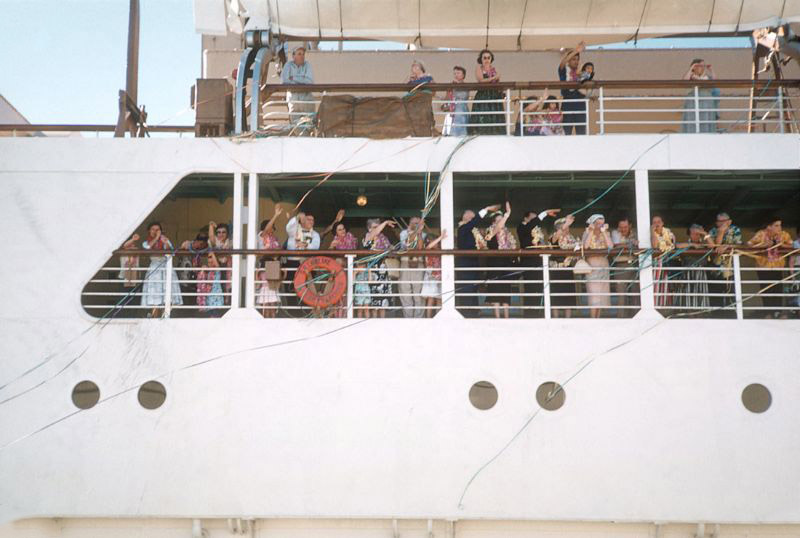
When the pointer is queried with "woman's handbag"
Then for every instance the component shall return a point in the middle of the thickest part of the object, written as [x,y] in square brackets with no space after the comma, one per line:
[582,267]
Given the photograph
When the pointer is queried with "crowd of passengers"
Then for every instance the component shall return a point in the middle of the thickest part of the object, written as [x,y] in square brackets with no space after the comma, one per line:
[682,280]
[545,115]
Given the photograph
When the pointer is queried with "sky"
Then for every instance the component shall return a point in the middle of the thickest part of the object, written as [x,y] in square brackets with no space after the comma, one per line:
[63,61]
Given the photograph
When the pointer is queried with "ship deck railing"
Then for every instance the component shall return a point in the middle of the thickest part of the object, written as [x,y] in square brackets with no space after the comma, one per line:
[528,281]
[664,106]
[613,106]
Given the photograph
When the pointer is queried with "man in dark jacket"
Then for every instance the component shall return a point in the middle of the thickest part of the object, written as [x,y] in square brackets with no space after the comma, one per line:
[533,264]
[467,266]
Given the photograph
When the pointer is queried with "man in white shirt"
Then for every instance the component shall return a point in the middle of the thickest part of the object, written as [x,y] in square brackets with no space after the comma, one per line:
[298,71]
[412,269]
[301,233]
[624,267]
[300,236]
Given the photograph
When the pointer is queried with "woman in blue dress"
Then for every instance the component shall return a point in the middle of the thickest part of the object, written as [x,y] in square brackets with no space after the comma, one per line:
[156,277]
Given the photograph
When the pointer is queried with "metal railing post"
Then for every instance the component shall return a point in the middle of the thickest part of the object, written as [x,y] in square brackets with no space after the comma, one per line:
[780,110]
[168,288]
[696,109]
[509,127]
[546,285]
[521,118]
[252,241]
[601,111]
[236,260]
[737,286]
[586,116]
[350,284]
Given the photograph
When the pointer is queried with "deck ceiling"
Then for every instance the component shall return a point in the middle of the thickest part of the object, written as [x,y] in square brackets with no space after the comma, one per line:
[500,24]
[684,197]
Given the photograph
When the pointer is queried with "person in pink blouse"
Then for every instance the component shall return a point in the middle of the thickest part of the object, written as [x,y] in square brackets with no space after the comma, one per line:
[342,240]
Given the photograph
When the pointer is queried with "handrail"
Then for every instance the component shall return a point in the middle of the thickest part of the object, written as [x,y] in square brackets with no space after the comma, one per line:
[538,85]
[77,128]
[432,252]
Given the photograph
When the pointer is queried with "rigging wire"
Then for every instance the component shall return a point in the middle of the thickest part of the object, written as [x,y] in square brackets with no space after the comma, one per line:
[586,363]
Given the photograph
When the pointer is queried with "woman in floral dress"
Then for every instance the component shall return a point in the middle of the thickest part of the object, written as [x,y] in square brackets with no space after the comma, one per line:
[344,240]
[268,287]
[379,285]
[663,240]
[210,294]
[562,278]
[498,237]
[487,101]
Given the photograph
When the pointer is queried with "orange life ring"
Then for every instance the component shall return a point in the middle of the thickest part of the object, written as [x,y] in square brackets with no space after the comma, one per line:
[309,294]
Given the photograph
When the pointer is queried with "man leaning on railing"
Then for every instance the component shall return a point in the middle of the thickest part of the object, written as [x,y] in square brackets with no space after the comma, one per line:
[298,71]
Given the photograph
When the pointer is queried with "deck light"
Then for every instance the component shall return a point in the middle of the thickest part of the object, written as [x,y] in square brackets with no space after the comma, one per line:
[361,201]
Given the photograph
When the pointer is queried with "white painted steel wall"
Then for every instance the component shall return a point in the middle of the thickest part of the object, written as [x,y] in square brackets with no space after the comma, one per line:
[372,421]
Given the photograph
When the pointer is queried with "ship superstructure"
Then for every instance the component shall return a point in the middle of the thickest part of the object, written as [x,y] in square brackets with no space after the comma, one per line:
[662,418]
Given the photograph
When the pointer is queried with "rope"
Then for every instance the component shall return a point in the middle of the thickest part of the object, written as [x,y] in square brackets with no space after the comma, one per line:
[488,9]
[521,25]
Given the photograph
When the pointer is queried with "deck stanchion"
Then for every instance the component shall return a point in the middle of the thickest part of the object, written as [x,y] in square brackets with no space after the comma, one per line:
[696,109]
[509,127]
[350,284]
[737,286]
[601,111]
[168,288]
[546,285]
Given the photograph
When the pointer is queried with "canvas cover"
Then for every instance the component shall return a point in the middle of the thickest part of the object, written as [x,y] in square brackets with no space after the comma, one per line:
[501,24]
[376,117]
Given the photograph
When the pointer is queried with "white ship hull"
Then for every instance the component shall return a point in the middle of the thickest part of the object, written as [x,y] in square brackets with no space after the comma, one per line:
[354,423]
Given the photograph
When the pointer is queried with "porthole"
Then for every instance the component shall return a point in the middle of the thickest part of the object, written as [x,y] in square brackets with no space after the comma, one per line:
[152,395]
[550,396]
[483,395]
[85,395]
[756,398]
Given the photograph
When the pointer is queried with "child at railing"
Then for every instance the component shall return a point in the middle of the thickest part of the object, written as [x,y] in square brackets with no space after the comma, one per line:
[432,285]
[269,279]
[546,116]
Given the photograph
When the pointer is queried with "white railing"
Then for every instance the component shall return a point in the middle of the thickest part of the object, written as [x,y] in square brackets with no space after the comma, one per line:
[695,112]
[728,291]
[547,291]
[373,290]
[618,108]
[501,287]
[138,290]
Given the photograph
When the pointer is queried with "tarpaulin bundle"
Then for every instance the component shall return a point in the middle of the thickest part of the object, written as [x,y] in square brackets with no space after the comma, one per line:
[376,117]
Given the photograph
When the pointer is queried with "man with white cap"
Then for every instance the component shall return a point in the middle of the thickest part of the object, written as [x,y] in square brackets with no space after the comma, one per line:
[298,71]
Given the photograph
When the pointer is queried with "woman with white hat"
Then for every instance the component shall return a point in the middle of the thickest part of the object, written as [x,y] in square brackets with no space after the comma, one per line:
[598,287]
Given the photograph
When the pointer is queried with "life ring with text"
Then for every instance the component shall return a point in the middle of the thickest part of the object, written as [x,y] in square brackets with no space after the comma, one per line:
[324,292]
